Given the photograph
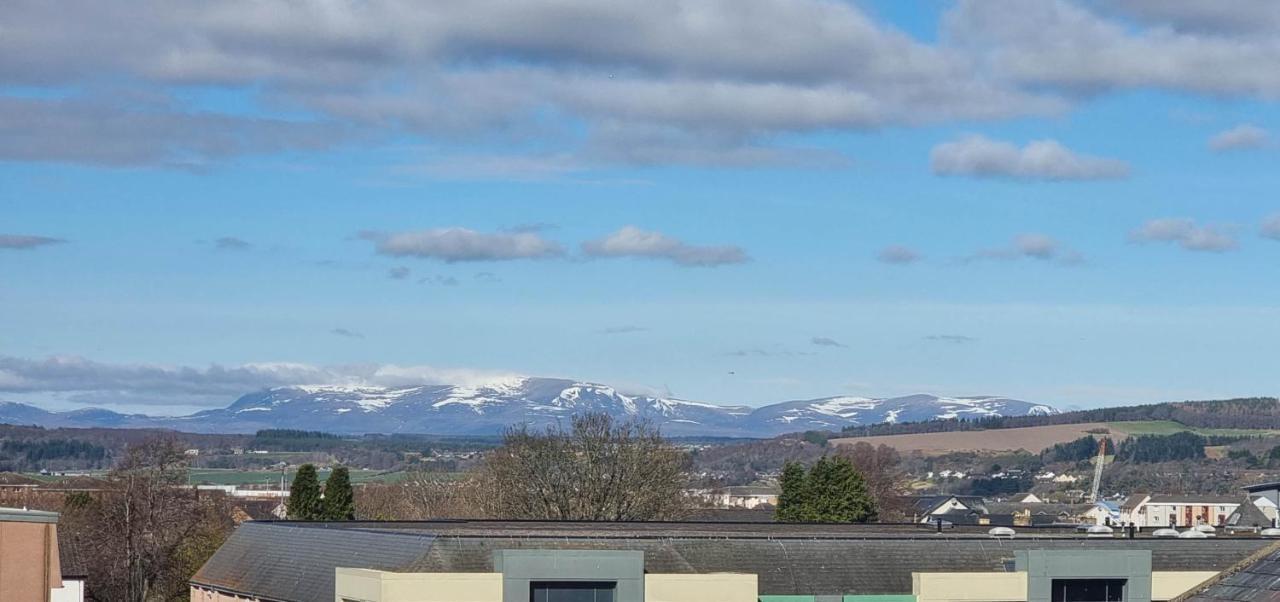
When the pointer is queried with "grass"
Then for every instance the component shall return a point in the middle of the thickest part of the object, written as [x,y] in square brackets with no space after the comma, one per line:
[1169,427]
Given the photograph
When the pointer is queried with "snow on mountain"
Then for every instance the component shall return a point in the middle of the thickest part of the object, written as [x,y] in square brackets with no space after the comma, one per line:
[488,408]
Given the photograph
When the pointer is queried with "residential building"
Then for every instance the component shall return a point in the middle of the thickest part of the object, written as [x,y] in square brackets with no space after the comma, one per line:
[749,497]
[531,561]
[30,561]
[930,508]
[1146,510]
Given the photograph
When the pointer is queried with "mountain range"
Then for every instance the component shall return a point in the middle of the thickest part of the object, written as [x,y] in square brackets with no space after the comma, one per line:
[488,408]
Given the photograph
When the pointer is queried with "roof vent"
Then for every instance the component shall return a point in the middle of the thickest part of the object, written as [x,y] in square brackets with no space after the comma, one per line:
[1167,533]
[1099,531]
[1272,532]
[1001,533]
[1192,534]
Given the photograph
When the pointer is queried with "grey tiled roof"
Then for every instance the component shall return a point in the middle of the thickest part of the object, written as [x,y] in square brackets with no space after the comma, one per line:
[1258,581]
[294,562]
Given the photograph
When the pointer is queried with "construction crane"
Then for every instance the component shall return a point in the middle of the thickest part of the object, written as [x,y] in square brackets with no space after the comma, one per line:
[1097,469]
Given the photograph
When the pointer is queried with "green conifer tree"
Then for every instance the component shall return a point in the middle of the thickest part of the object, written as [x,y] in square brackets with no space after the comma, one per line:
[304,495]
[838,493]
[791,500]
[339,501]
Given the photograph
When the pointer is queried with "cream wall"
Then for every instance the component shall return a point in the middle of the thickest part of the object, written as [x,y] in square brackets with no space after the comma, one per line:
[199,594]
[706,587]
[1167,585]
[364,585]
[969,587]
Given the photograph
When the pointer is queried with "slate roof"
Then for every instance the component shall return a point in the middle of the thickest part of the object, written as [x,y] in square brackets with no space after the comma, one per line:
[70,559]
[1194,499]
[1256,581]
[294,561]
[1248,515]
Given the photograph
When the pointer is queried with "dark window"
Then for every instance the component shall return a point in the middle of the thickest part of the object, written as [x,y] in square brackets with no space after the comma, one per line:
[1088,590]
[571,591]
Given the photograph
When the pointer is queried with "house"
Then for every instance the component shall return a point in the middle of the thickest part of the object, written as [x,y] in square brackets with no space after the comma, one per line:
[749,497]
[1026,498]
[1146,510]
[31,559]
[929,508]
[519,561]
[1065,478]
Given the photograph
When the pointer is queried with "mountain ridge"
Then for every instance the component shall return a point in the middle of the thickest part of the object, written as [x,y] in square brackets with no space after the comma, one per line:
[488,408]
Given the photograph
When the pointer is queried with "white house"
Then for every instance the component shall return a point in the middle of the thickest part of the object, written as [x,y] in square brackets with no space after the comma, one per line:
[748,497]
[1146,510]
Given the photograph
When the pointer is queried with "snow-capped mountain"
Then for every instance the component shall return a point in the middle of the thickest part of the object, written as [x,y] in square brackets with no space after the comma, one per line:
[487,409]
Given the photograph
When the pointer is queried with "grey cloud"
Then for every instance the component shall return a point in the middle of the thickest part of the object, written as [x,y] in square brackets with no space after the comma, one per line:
[104,134]
[1235,17]
[26,241]
[744,71]
[231,243]
[1185,233]
[343,332]
[1031,246]
[631,241]
[957,339]
[826,342]
[1038,160]
[439,280]
[623,329]
[1271,227]
[398,273]
[898,254]
[1241,137]
[211,385]
[487,277]
[461,244]
[1065,45]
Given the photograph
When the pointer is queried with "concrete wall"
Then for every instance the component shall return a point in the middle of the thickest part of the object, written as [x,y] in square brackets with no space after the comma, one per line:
[969,587]
[364,585]
[29,568]
[710,587]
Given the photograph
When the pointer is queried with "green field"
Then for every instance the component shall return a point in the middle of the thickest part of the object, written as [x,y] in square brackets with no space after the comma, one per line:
[1169,427]
[227,476]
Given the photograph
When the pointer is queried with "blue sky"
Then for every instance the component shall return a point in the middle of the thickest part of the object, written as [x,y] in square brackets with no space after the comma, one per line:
[741,202]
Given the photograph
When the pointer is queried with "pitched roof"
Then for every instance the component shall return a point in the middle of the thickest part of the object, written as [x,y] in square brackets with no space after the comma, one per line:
[295,561]
[1258,580]
[1195,499]
[1248,515]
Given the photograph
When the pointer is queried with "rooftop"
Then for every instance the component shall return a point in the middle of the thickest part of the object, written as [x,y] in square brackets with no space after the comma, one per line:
[287,560]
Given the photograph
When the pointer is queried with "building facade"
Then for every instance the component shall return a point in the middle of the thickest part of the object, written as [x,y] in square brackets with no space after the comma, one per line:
[1178,510]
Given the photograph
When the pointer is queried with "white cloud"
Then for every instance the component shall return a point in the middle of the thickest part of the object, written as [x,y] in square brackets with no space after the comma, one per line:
[1186,233]
[631,241]
[1040,159]
[26,241]
[1064,45]
[740,71]
[213,385]
[1271,227]
[898,254]
[1241,137]
[461,244]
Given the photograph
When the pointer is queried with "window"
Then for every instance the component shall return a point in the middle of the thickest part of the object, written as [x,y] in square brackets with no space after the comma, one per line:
[571,591]
[1088,590]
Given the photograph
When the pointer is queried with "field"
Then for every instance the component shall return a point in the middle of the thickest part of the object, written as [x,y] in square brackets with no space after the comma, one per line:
[215,476]
[1036,438]
[1168,427]
[1032,439]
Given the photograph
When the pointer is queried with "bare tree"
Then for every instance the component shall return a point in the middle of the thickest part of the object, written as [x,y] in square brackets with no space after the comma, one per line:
[597,469]
[148,532]
[879,465]
[421,495]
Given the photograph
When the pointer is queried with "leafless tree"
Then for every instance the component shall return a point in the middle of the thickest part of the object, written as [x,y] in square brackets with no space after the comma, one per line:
[597,469]
[879,465]
[147,532]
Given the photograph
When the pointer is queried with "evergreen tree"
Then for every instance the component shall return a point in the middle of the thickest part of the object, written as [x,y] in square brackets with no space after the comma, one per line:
[339,501]
[304,495]
[832,491]
[791,499]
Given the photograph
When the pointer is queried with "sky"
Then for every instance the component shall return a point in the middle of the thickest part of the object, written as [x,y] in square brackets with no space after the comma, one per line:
[735,201]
